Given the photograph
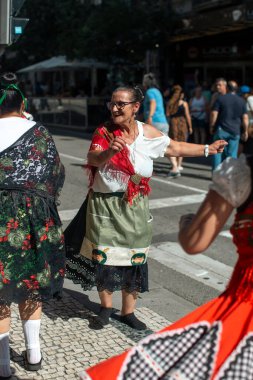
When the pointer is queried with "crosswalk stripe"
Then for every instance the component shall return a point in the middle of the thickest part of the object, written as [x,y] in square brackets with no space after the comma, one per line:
[72,157]
[179,185]
[199,267]
[226,234]
[153,204]
[67,215]
[176,201]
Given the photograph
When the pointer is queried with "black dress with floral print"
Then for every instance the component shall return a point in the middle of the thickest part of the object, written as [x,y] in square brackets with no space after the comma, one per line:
[32,253]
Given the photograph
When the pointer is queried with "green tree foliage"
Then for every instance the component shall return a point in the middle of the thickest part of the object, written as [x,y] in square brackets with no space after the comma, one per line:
[124,29]
[116,29]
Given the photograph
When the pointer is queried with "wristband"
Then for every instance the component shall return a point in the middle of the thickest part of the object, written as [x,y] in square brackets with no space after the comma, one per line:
[206,150]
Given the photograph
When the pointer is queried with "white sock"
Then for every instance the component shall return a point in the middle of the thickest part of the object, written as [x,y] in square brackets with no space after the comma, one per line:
[5,369]
[31,330]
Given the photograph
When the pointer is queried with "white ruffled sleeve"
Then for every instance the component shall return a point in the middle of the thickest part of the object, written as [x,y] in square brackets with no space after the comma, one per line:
[232,180]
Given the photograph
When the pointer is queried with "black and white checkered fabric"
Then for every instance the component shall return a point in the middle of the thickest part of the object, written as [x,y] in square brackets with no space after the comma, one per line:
[198,363]
[190,350]
[239,365]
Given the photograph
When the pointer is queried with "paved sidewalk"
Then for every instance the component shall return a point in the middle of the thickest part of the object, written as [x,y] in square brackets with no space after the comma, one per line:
[69,345]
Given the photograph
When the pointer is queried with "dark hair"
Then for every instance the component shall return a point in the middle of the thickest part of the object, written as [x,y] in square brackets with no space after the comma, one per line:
[149,80]
[221,80]
[136,92]
[173,103]
[232,86]
[13,97]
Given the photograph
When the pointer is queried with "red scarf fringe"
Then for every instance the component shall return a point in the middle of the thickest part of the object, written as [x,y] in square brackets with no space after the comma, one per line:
[120,161]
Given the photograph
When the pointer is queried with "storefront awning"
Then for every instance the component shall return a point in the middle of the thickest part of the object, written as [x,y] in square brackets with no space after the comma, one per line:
[61,63]
[214,22]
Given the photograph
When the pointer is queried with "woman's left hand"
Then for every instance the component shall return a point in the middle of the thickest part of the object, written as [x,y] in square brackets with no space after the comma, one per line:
[185,220]
[149,120]
[217,146]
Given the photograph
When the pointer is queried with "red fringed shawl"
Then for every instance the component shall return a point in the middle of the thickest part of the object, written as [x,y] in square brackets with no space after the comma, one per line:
[120,161]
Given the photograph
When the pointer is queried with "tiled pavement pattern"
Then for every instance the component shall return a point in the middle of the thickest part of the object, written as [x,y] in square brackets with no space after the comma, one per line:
[68,342]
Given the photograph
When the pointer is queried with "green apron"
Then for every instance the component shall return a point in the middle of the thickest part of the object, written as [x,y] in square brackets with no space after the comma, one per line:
[117,233]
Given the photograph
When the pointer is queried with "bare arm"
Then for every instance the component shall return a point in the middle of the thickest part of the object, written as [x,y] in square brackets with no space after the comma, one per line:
[245,125]
[213,118]
[184,149]
[188,117]
[152,107]
[198,231]
[245,122]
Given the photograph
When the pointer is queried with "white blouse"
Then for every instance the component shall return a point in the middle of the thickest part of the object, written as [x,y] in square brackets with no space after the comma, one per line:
[142,152]
[11,129]
[232,180]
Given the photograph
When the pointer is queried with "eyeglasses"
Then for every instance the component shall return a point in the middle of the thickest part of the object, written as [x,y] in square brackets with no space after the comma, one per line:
[119,105]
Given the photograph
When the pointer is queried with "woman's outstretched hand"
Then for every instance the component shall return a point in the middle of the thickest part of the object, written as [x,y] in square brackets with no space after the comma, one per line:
[217,146]
[185,220]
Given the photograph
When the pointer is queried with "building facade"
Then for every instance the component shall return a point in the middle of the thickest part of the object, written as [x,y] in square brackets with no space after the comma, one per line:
[210,39]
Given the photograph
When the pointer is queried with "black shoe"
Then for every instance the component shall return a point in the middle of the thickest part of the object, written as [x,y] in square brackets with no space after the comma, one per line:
[103,317]
[174,174]
[32,367]
[132,321]
[5,377]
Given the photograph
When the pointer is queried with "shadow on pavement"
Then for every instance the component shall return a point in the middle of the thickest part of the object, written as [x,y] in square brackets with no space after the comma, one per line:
[85,308]
[197,176]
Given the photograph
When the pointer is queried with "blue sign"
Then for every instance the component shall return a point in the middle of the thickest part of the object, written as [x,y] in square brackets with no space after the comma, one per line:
[18,30]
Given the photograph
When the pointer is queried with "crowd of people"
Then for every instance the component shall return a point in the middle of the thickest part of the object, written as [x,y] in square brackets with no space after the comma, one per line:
[107,243]
[202,116]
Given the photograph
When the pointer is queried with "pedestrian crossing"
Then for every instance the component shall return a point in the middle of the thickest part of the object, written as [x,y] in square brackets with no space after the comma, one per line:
[207,271]
[201,268]
[154,204]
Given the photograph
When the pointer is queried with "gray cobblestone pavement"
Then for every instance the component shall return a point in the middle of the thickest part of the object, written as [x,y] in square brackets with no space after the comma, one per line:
[69,342]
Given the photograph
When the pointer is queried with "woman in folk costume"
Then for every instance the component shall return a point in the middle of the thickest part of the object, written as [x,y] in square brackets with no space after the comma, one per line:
[214,342]
[32,254]
[113,253]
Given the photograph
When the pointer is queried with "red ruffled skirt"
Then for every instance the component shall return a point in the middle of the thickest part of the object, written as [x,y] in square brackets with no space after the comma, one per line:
[214,342]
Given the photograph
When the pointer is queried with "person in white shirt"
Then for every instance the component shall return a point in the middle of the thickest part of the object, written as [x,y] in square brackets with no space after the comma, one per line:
[113,252]
[198,111]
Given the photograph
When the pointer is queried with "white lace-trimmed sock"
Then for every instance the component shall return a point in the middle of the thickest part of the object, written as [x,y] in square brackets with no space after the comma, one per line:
[5,369]
[31,330]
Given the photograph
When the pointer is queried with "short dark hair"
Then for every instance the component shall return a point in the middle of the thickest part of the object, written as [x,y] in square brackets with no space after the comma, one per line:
[232,86]
[221,80]
[13,97]
[149,80]
[136,92]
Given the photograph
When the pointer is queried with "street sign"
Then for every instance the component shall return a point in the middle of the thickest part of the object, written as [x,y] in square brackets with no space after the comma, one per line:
[5,22]
[11,27]
[17,27]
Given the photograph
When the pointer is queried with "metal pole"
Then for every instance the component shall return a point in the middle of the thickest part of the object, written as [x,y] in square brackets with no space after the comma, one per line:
[5,12]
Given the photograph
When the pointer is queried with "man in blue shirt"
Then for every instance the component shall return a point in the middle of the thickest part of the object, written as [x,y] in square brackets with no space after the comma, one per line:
[228,114]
